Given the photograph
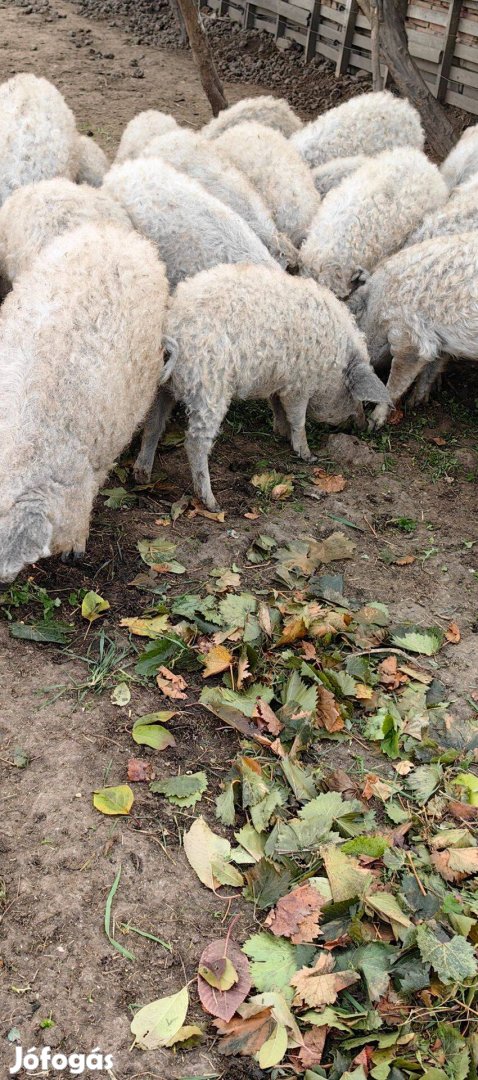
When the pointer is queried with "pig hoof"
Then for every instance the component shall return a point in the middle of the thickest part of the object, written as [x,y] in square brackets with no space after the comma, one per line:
[378,417]
[72,558]
[141,474]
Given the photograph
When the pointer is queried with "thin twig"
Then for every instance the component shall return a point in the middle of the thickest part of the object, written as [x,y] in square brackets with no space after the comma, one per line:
[414,872]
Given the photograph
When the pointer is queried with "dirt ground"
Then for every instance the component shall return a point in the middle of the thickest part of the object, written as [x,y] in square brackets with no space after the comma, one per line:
[58,856]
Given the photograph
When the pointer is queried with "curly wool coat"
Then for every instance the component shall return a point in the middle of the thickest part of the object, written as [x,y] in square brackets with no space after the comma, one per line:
[81,346]
[38,137]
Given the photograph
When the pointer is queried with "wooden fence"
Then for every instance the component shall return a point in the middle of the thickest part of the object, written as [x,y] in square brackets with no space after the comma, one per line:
[442,35]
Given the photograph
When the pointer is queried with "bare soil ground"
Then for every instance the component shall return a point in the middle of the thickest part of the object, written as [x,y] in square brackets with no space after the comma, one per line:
[58,856]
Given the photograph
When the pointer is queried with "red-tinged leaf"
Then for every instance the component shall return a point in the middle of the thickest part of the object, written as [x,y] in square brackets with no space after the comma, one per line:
[396,416]
[245,1037]
[463,811]
[311,1051]
[224,1003]
[140,770]
[308,651]
[296,915]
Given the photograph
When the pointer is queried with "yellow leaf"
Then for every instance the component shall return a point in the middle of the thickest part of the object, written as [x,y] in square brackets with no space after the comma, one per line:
[114,800]
[217,659]
[151,628]
[190,1031]
[363,692]
[273,1050]
[156,1024]
[225,980]
[93,606]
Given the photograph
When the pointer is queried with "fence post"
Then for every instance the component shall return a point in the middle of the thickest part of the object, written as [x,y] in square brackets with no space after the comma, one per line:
[349,31]
[248,17]
[441,85]
[281,26]
[312,31]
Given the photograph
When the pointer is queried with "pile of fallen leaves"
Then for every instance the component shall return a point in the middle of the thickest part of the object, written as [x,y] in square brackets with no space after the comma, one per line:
[363,881]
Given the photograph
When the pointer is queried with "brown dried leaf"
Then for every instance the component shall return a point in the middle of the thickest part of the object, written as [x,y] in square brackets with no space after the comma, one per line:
[252,515]
[296,915]
[328,483]
[463,811]
[293,630]
[396,416]
[217,659]
[328,714]
[375,787]
[453,633]
[311,1051]
[245,1037]
[405,560]
[171,685]
[267,717]
[389,675]
[455,864]
[140,770]
[199,511]
[318,986]
[223,1003]
[309,651]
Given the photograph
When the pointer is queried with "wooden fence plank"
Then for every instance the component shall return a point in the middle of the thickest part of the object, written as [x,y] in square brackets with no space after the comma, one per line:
[343,59]
[448,49]
[311,39]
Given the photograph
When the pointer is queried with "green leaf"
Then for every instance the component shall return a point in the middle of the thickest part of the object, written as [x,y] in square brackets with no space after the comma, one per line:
[114,800]
[346,877]
[416,639]
[41,632]
[300,780]
[387,907]
[422,782]
[170,649]
[217,696]
[225,809]
[251,841]
[470,782]
[235,609]
[373,961]
[159,554]
[148,732]
[372,846]
[266,883]
[262,812]
[274,961]
[93,606]
[453,960]
[385,726]
[341,682]
[274,1048]
[185,790]
[456,1051]
[121,695]
[157,1023]
[118,497]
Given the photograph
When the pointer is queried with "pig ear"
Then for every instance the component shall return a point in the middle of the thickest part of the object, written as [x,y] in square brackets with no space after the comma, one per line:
[365,385]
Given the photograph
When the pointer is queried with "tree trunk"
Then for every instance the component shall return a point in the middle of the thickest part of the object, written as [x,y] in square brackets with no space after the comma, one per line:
[203,57]
[405,74]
